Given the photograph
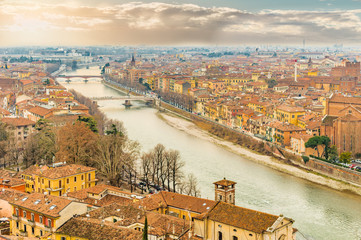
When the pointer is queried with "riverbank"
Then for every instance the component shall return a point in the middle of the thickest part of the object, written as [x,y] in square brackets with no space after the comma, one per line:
[188,126]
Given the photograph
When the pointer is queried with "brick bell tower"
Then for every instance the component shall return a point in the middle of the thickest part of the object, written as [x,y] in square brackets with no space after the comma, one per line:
[225,191]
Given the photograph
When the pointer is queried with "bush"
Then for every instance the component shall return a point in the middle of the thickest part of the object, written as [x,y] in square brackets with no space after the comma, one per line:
[305,159]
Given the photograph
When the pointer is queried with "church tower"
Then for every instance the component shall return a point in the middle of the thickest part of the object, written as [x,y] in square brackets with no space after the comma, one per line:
[225,191]
[132,62]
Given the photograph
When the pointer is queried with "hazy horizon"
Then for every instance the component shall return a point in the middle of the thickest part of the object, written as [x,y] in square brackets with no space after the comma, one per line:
[182,23]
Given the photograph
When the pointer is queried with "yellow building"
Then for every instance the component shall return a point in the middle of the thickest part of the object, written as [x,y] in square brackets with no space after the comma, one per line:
[229,222]
[289,114]
[57,181]
[38,215]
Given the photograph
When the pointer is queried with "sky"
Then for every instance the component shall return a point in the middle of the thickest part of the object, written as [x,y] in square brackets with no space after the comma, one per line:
[185,22]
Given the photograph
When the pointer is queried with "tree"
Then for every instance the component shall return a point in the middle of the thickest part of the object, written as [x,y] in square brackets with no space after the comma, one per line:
[114,155]
[90,122]
[189,186]
[325,141]
[315,141]
[174,168]
[77,143]
[145,230]
[332,153]
[271,83]
[345,157]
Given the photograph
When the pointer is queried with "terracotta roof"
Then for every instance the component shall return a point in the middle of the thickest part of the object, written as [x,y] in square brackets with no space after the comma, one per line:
[9,194]
[243,218]
[45,204]
[20,121]
[40,111]
[225,182]
[11,182]
[96,230]
[66,170]
[342,99]
[290,108]
[194,204]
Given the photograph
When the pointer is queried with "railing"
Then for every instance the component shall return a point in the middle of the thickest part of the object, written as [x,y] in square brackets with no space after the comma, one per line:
[31,222]
[23,233]
[15,217]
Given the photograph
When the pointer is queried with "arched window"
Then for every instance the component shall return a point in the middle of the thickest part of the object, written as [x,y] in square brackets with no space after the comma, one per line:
[283,237]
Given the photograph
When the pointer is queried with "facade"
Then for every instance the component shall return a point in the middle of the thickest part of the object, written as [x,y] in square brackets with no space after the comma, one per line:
[289,114]
[20,127]
[229,222]
[37,215]
[58,181]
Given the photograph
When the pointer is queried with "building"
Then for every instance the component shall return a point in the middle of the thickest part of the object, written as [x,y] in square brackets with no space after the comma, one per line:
[20,127]
[37,215]
[58,181]
[289,114]
[229,222]
[225,191]
[175,204]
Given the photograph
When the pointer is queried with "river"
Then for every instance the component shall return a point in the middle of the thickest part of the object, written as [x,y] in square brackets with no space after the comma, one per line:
[319,212]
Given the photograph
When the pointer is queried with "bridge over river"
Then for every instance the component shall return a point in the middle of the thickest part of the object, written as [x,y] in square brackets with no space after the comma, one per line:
[85,78]
[142,98]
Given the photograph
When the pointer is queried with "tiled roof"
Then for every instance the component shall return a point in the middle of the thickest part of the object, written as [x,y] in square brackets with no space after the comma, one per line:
[96,230]
[177,200]
[9,194]
[11,182]
[40,110]
[290,108]
[225,182]
[239,217]
[45,204]
[64,171]
[20,121]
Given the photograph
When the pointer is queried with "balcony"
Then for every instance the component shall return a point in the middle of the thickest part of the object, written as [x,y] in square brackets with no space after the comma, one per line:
[15,217]
[31,223]
[23,233]
[54,189]
[48,228]
[91,180]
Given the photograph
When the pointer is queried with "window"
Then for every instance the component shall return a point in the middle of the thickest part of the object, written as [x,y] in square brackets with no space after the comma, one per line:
[49,223]
[89,176]
[49,183]
[59,183]
[41,219]
[32,230]
[63,238]
[42,181]
[82,177]
[17,211]
[17,225]
[24,227]
[74,189]
[220,197]
[74,179]
[38,180]
[235,238]
[32,217]
[24,213]
[41,232]
[220,236]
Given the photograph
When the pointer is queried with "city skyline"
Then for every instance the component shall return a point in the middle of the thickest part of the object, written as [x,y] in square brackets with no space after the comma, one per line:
[111,22]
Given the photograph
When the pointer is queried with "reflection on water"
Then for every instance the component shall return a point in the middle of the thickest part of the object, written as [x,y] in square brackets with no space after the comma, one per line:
[319,212]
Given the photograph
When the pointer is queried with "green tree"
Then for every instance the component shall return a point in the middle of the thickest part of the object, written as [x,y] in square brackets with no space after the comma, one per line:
[313,142]
[332,153]
[271,83]
[345,157]
[145,230]
[90,122]
[325,141]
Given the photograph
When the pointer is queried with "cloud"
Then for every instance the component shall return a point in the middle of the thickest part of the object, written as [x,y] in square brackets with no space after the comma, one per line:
[39,22]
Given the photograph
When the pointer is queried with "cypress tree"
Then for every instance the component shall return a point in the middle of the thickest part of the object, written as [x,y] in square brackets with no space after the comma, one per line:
[145,230]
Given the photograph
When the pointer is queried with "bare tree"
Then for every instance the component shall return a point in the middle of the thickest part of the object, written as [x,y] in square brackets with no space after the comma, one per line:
[189,186]
[115,154]
[174,166]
